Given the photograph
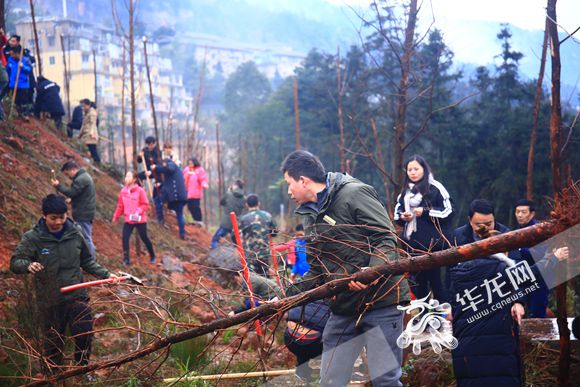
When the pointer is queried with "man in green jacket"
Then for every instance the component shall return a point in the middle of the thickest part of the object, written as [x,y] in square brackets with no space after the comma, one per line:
[348,230]
[233,201]
[83,198]
[54,251]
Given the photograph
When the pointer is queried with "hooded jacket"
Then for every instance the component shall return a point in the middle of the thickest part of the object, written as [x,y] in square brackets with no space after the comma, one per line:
[62,260]
[83,195]
[487,354]
[349,231]
[48,98]
[233,201]
[132,201]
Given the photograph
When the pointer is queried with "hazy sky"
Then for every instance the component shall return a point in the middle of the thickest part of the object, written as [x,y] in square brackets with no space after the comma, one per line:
[528,14]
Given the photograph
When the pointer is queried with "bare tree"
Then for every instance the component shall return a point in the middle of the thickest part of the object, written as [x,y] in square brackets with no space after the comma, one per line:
[36,43]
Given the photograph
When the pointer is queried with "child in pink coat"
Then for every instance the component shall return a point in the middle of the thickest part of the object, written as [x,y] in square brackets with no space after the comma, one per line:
[195,183]
[133,205]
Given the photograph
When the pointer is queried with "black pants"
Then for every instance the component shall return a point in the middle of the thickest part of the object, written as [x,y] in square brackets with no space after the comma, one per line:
[94,153]
[77,316]
[142,230]
[304,350]
[429,281]
[194,206]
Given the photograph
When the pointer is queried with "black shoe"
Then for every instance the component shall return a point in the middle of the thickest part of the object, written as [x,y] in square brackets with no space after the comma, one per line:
[126,262]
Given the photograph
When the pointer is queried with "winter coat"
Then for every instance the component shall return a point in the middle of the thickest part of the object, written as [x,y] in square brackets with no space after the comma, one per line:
[488,353]
[348,221]
[83,196]
[132,202]
[262,289]
[89,134]
[62,260]
[77,118]
[150,157]
[23,77]
[195,181]
[173,188]
[48,98]
[438,208]
[233,201]
[296,255]
[5,52]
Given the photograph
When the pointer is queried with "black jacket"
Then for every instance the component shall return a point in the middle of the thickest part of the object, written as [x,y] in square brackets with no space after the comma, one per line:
[77,118]
[173,188]
[48,98]
[488,353]
[438,209]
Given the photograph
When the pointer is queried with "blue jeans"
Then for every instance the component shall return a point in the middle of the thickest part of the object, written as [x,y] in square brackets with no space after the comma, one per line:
[178,208]
[342,341]
[158,208]
[219,234]
[87,229]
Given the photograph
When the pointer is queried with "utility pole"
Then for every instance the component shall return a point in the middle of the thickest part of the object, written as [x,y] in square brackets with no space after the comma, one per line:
[66,77]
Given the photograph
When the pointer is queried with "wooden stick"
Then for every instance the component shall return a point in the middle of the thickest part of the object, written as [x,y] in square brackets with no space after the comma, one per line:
[274,260]
[238,375]
[240,247]
[144,164]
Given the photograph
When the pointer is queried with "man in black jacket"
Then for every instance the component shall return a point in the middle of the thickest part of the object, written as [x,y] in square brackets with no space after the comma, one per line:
[487,353]
[76,122]
[48,100]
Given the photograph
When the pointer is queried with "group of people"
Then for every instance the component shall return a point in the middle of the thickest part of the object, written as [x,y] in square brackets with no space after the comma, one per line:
[344,228]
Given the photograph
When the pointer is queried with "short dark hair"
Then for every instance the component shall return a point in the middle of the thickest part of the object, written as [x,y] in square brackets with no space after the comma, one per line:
[526,202]
[299,227]
[17,37]
[150,140]
[252,200]
[303,163]
[54,204]
[69,165]
[239,183]
[86,101]
[481,206]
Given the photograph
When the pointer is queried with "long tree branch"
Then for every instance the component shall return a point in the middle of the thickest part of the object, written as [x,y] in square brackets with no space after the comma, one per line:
[529,236]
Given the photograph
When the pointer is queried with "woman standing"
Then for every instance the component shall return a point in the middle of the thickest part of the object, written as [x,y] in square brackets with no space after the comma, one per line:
[424,209]
[89,133]
[133,205]
[195,183]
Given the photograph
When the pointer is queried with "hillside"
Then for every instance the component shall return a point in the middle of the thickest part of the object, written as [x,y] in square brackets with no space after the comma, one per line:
[177,292]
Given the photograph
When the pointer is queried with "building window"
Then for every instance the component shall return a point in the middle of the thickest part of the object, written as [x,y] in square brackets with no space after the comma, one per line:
[85,58]
[51,60]
[51,41]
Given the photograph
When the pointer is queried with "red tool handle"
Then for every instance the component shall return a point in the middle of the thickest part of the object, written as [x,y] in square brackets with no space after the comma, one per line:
[274,260]
[240,247]
[70,288]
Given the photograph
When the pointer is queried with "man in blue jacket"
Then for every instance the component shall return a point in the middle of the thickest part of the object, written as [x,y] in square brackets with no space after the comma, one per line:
[19,81]
[487,354]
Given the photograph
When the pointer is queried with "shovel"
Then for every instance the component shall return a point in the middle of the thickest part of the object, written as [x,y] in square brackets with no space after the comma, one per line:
[122,277]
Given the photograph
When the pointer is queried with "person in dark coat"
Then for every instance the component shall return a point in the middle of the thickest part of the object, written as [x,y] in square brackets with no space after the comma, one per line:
[487,354]
[151,154]
[173,189]
[233,201]
[76,122]
[303,334]
[424,209]
[48,100]
[53,252]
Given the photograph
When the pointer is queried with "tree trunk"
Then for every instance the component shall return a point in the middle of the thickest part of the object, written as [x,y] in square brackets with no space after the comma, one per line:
[556,163]
[528,236]
[66,80]
[36,43]
[2,16]
[132,84]
[151,98]
[219,168]
[401,111]
[296,114]
[124,64]
[95,76]
[536,116]
[340,120]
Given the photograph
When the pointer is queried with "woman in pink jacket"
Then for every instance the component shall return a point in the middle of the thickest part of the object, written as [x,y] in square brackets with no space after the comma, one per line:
[195,183]
[133,205]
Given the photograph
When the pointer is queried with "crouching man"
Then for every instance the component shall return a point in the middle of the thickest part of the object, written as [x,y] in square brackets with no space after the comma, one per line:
[54,251]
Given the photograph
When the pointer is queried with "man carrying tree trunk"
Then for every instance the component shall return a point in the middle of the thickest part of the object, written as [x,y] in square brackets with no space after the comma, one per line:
[54,251]
[348,230]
